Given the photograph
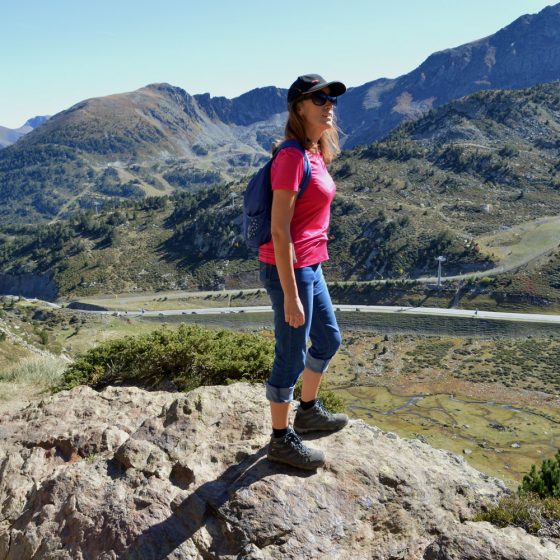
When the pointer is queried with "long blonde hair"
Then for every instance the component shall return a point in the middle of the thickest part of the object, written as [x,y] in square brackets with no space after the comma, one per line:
[329,145]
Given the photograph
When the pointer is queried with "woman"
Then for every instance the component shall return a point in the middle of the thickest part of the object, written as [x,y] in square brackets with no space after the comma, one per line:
[291,272]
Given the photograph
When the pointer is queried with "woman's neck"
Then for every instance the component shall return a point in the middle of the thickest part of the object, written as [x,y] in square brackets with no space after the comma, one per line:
[313,134]
[313,138]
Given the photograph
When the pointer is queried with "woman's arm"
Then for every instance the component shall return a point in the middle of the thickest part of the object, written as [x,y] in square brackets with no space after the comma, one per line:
[283,205]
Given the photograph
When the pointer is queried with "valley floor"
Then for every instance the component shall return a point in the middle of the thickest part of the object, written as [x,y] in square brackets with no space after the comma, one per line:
[491,396]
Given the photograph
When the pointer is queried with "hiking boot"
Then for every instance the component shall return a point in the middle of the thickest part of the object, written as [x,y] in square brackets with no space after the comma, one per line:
[317,418]
[290,450]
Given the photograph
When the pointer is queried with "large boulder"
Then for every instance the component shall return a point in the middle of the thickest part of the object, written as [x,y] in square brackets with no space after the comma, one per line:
[126,473]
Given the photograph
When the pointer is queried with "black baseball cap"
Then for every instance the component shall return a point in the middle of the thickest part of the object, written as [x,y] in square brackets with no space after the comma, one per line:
[313,82]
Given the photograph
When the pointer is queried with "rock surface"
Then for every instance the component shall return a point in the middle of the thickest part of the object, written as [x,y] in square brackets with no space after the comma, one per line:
[132,474]
[29,285]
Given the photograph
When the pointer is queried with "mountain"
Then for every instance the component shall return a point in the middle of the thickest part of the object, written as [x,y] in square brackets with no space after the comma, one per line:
[147,142]
[160,139]
[452,183]
[36,121]
[473,168]
[10,135]
[522,54]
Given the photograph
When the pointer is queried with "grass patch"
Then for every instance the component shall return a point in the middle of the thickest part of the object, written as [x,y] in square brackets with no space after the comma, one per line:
[522,242]
[530,512]
[31,377]
[529,363]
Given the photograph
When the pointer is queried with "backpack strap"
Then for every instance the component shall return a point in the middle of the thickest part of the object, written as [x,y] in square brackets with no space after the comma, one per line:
[306,164]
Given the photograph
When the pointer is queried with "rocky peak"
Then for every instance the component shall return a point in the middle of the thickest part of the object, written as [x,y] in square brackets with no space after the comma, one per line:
[36,121]
[522,54]
[9,136]
[256,105]
[167,89]
[126,473]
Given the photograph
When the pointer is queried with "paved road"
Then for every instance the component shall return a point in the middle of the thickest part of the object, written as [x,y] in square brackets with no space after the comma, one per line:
[407,310]
[467,313]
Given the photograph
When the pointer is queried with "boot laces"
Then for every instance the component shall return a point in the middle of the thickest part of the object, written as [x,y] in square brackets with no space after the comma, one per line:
[295,441]
[321,408]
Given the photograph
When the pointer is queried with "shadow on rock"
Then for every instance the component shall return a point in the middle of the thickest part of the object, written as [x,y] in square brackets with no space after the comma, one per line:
[204,509]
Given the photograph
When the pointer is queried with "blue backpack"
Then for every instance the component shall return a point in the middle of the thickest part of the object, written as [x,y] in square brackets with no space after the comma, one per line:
[257,199]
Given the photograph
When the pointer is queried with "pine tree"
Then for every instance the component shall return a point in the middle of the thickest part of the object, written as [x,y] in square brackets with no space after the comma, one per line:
[545,483]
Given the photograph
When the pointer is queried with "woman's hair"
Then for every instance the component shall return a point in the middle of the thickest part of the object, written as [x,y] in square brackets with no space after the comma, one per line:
[295,129]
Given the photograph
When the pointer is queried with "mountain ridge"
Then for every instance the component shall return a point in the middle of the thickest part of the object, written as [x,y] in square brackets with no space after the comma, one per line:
[473,168]
[523,53]
[160,139]
[9,136]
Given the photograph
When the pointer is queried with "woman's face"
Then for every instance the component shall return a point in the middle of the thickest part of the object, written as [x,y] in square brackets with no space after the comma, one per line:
[317,118]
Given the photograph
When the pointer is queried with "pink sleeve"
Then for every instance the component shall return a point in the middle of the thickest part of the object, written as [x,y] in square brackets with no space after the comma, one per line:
[287,170]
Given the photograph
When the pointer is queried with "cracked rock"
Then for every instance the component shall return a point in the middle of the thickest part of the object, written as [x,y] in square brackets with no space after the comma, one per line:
[131,474]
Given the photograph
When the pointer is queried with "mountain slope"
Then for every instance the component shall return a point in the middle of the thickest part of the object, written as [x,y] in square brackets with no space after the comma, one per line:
[474,167]
[522,54]
[160,139]
[449,184]
[9,136]
[150,141]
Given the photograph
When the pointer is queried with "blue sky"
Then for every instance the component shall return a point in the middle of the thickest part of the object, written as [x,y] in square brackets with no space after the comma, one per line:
[58,52]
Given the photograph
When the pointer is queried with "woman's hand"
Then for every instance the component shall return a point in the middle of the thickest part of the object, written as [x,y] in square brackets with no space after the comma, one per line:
[294,314]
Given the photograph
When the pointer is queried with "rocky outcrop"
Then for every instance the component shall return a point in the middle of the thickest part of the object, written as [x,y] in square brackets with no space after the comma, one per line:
[28,285]
[81,306]
[132,474]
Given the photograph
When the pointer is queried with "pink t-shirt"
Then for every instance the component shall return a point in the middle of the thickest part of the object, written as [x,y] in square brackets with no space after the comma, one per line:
[310,222]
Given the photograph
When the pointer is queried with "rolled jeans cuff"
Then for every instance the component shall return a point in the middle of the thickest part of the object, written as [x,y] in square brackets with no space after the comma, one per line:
[279,394]
[315,364]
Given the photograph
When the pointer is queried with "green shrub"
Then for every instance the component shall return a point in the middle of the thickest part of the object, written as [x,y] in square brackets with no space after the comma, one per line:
[545,483]
[43,336]
[2,336]
[529,512]
[189,357]
[537,503]
[330,399]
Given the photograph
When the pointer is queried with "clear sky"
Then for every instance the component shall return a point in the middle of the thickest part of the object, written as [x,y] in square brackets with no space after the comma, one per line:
[58,52]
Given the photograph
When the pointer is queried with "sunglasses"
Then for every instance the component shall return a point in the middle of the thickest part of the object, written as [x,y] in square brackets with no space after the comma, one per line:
[319,98]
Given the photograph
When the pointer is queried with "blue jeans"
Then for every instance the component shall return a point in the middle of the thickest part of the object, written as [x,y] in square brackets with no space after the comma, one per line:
[291,355]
